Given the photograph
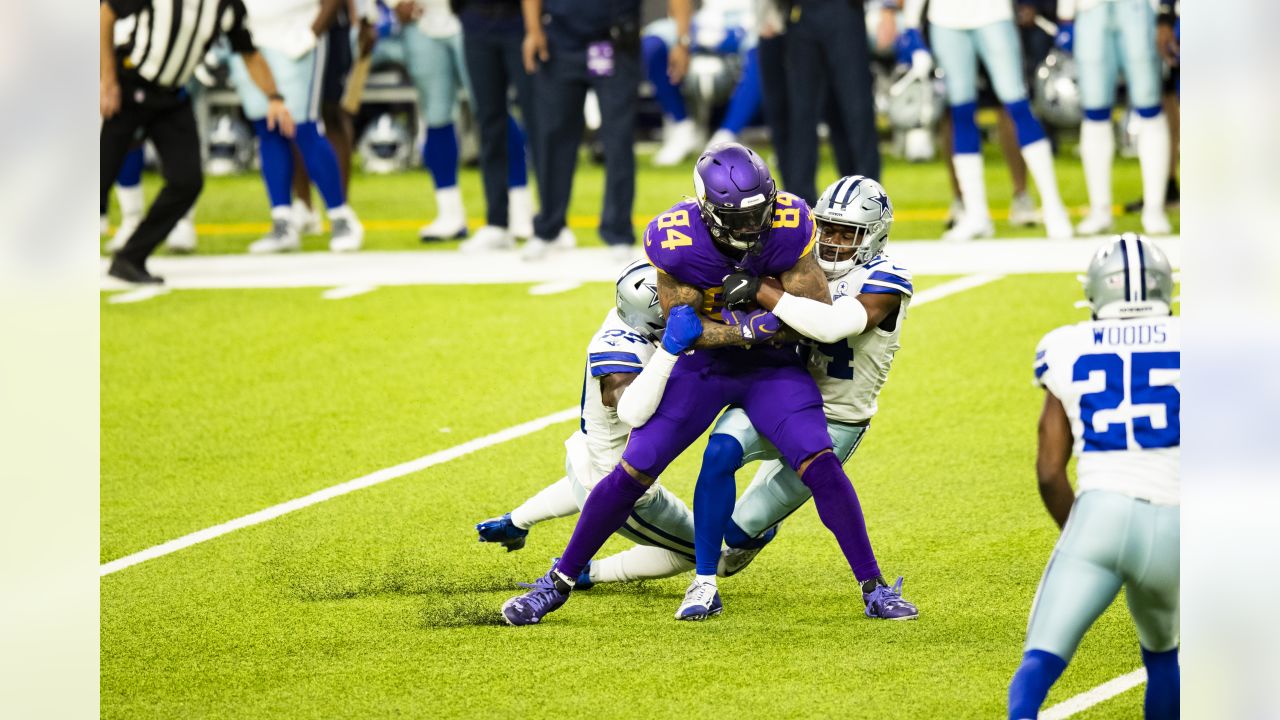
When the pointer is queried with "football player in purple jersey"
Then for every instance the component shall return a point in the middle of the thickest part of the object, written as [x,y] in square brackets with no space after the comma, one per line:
[712,252]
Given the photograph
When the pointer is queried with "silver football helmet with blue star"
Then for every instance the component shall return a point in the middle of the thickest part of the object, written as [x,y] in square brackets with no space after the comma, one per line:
[1129,276]
[852,202]
[637,299]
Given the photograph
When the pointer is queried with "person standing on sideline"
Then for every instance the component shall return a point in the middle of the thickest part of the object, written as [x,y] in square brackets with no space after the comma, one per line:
[570,46]
[826,51]
[432,38]
[492,32]
[1106,35]
[353,25]
[144,90]
[962,32]
[294,38]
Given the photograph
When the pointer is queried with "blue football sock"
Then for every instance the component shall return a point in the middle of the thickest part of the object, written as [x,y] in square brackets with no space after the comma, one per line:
[322,164]
[131,171]
[517,169]
[1097,114]
[277,163]
[713,500]
[667,94]
[1163,685]
[964,129]
[1031,683]
[440,155]
[1025,124]
[745,103]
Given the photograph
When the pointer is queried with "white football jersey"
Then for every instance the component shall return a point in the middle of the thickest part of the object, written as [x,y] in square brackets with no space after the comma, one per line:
[851,372]
[616,348]
[1118,381]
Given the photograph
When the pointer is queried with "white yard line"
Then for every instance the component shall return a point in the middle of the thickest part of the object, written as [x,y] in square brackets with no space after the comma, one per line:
[553,288]
[924,296]
[951,287]
[328,493]
[343,292]
[1089,698]
[139,295]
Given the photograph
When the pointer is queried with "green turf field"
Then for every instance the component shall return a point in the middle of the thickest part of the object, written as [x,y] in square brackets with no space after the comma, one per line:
[381,603]
[233,211]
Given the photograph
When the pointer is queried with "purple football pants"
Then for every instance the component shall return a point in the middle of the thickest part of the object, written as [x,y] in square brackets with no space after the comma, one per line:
[770,384]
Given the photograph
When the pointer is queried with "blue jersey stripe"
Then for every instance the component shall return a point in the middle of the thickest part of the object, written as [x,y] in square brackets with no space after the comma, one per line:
[890,278]
[880,290]
[598,370]
[619,356]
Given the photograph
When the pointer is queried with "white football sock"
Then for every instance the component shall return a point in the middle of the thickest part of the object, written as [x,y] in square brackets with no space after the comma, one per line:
[642,562]
[973,186]
[1097,150]
[130,199]
[553,501]
[520,212]
[1153,157]
[1039,158]
[449,210]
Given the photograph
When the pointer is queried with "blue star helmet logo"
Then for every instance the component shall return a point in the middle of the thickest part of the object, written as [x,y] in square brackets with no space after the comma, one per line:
[653,289]
[885,206]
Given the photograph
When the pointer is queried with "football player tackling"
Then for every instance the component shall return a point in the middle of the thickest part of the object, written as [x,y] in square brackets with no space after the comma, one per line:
[857,337]
[738,223]
[1111,393]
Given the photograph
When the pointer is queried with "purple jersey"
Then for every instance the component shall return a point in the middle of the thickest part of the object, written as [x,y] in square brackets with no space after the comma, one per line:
[678,243]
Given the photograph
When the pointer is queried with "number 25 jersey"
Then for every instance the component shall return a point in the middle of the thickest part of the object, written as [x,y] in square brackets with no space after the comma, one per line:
[1118,381]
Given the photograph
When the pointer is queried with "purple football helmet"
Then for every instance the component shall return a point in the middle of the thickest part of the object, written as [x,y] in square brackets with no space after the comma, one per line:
[736,194]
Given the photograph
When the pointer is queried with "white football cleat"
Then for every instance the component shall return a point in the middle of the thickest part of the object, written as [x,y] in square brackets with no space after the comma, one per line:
[680,140]
[722,136]
[566,240]
[306,220]
[701,601]
[1057,224]
[182,238]
[535,248]
[282,238]
[1156,223]
[623,254]
[1095,223]
[969,229]
[488,239]
[347,232]
[1022,211]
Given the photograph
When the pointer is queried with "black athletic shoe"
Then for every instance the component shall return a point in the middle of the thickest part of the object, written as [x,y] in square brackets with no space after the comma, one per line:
[125,270]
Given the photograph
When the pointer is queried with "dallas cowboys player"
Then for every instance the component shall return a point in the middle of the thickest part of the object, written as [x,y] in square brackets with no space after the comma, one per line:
[739,222]
[1111,394]
[626,342]
[858,335]
[1108,35]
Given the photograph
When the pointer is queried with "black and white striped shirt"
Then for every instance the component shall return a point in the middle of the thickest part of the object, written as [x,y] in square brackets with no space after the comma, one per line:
[170,37]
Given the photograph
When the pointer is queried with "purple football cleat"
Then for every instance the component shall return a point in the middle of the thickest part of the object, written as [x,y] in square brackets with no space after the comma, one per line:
[545,594]
[886,603]
[502,531]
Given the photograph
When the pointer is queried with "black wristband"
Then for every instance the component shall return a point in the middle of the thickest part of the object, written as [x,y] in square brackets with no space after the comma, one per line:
[275,96]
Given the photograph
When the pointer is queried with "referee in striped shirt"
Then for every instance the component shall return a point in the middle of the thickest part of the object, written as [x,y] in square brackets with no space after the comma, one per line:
[142,89]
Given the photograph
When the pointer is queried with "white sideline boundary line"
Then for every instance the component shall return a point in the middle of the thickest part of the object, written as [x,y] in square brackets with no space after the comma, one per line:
[374,478]
[1089,698]
[442,456]
[342,292]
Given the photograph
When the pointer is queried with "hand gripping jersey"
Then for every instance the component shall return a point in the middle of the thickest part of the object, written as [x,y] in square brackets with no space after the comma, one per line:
[616,348]
[851,372]
[1118,380]
[679,244]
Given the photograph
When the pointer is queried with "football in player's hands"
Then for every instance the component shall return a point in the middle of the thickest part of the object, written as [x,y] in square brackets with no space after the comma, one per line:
[740,290]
